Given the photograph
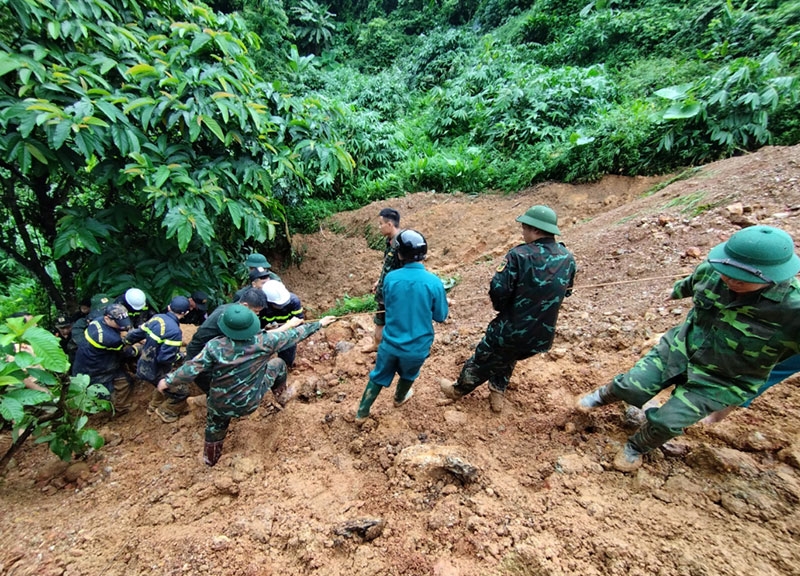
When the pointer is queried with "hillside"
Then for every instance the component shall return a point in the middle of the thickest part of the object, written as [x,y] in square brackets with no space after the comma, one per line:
[298,491]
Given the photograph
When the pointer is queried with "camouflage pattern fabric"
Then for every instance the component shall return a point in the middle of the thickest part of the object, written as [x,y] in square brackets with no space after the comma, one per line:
[391,261]
[526,290]
[723,352]
[241,373]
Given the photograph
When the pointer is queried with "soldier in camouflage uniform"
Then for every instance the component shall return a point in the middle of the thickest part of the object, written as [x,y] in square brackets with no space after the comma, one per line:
[745,320]
[241,371]
[526,291]
[388,224]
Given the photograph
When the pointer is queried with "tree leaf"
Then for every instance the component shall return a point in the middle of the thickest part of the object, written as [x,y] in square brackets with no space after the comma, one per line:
[46,347]
[682,111]
[213,126]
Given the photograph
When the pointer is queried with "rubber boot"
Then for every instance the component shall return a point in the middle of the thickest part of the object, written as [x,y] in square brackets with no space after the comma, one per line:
[171,409]
[647,438]
[121,398]
[403,392]
[599,397]
[367,399]
[496,400]
[212,452]
[156,399]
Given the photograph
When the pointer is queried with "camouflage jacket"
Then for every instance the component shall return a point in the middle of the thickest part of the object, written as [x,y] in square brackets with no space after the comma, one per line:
[527,290]
[730,342]
[391,261]
[237,369]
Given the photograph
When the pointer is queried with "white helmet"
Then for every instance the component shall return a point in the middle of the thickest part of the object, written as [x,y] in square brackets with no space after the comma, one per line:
[276,292]
[135,298]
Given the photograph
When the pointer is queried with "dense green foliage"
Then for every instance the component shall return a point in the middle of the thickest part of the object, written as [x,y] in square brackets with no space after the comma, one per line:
[153,143]
[504,93]
[166,138]
[56,410]
[140,147]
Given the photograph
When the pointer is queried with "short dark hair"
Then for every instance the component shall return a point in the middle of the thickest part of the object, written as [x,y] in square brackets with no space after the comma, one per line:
[390,214]
[254,297]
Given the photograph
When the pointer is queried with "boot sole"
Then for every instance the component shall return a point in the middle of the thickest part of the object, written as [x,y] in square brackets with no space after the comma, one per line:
[404,400]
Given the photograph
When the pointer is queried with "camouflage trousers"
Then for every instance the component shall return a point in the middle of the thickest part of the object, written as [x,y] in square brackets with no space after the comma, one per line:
[491,362]
[221,412]
[688,404]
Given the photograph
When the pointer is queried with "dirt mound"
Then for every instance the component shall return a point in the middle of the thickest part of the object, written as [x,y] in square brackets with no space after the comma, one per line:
[451,490]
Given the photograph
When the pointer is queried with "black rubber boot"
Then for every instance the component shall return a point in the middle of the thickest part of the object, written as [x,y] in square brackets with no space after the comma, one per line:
[212,451]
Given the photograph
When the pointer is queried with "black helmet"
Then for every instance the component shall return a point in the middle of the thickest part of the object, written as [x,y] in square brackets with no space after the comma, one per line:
[411,246]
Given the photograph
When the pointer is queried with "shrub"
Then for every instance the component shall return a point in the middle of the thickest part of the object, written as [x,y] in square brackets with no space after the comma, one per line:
[38,398]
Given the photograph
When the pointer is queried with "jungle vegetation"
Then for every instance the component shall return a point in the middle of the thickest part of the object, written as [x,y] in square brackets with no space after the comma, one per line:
[155,143]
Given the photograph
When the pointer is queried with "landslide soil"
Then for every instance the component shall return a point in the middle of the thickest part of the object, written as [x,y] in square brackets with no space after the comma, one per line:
[453,489]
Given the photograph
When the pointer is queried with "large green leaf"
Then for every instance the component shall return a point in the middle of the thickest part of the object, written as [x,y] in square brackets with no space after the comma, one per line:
[47,348]
[682,111]
[11,410]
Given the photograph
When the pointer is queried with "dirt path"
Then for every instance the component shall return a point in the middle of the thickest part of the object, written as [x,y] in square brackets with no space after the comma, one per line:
[529,492]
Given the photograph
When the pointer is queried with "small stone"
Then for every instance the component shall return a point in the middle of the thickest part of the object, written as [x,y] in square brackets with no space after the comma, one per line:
[220,542]
[692,252]
[76,471]
[735,209]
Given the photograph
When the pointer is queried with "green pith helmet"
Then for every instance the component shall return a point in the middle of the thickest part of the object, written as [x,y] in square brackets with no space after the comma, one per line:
[541,217]
[256,260]
[239,323]
[759,254]
[100,301]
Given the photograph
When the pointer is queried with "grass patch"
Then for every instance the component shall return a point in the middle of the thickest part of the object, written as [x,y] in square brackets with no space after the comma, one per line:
[375,239]
[450,282]
[685,175]
[353,305]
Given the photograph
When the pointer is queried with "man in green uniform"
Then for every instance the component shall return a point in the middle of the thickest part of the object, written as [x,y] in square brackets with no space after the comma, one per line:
[241,371]
[526,291]
[389,226]
[745,319]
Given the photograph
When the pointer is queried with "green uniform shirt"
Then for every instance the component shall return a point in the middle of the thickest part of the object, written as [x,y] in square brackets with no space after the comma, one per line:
[729,343]
[238,369]
[391,261]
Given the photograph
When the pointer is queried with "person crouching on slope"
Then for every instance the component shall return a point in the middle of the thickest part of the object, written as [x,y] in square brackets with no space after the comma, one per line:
[241,370]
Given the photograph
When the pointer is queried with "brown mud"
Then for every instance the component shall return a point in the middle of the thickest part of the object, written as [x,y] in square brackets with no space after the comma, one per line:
[453,489]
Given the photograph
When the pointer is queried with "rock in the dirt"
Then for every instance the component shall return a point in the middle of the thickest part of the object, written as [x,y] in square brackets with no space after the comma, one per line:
[455,417]
[75,471]
[722,460]
[759,442]
[734,505]
[735,209]
[226,485]
[344,346]
[220,542]
[791,456]
[50,471]
[424,459]
[576,464]
[311,389]
[365,528]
